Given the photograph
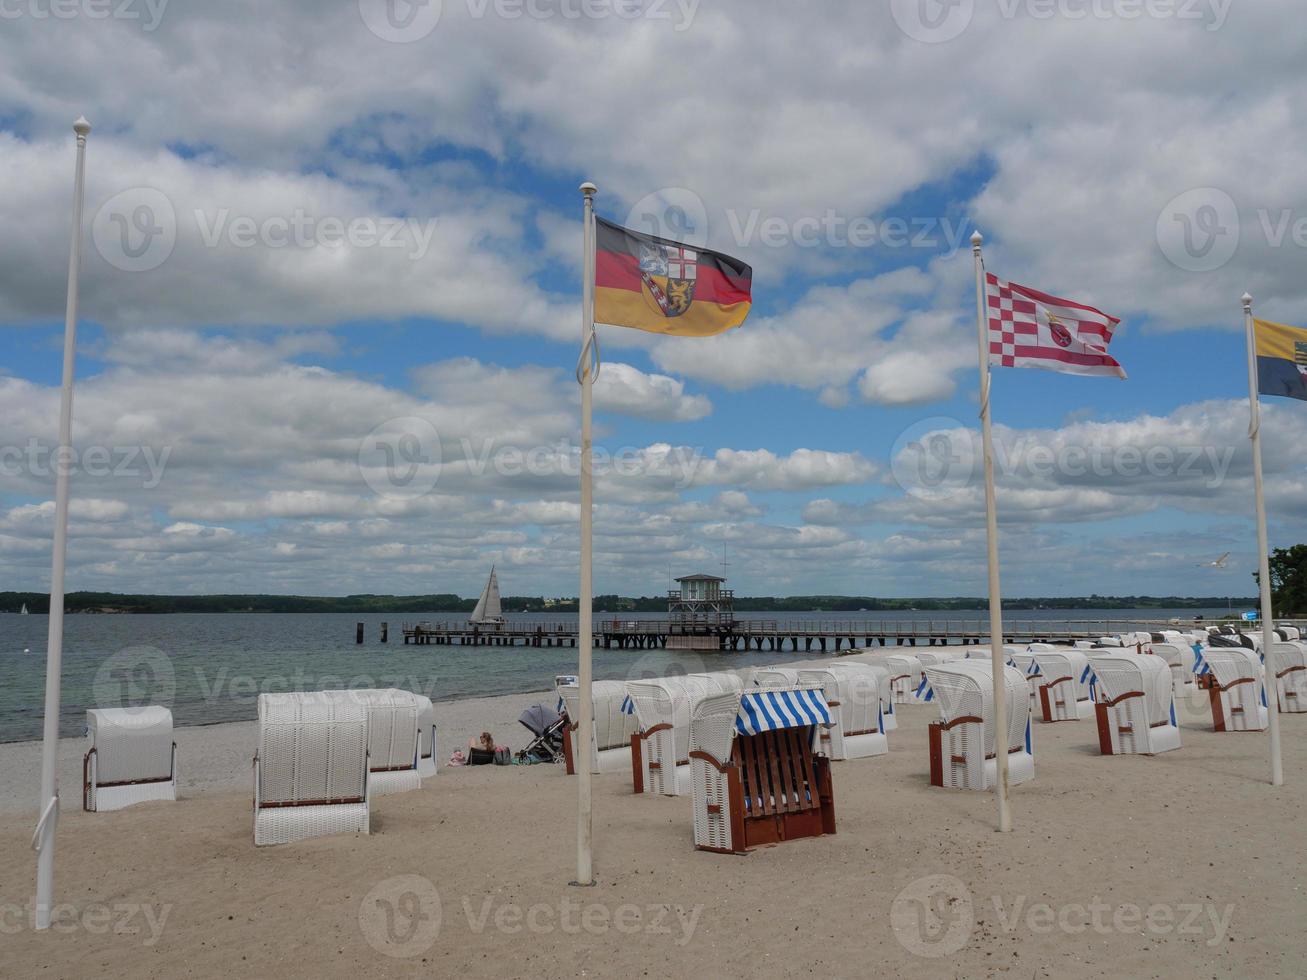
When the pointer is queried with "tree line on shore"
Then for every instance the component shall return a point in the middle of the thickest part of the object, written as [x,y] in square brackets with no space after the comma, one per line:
[109,602]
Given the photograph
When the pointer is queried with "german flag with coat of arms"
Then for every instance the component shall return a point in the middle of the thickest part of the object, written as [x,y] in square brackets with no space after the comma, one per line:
[663,286]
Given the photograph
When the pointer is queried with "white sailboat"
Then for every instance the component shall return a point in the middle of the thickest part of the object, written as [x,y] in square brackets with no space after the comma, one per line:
[23,611]
[488,611]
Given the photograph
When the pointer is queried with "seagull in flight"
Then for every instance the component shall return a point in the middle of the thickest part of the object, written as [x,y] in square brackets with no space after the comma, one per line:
[1219,563]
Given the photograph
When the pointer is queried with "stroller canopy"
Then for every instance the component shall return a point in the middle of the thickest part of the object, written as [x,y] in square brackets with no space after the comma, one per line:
[538,718]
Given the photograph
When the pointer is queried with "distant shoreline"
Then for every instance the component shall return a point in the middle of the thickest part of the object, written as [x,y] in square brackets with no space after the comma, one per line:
[116,604]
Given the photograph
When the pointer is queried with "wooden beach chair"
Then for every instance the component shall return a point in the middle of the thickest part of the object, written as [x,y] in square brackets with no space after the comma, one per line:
[757,779]
[130,757]
[610,741]
[1232,678]
[1134,703]
[1291,676]
[963,743]
[1062,687]
[311,771]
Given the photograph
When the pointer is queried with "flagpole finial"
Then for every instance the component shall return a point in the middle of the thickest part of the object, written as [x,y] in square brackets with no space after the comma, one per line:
[1247,299]
[81,127]
[976,239]
[589,189]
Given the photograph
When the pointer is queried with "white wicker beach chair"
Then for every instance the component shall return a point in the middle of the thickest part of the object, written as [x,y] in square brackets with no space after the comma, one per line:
[756,777]
[1179,657]
[393,739]
[1232,677]
[311,771]
[427,765]
[610,742]
[660,750]
[130,757]
[854,695]
[1291,676]
[1062,688]
[1288,634]
[1135,703]
[940,655]
[963,742]
[904,676]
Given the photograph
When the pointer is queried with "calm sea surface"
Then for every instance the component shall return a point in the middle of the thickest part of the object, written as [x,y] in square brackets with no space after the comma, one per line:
[210,668]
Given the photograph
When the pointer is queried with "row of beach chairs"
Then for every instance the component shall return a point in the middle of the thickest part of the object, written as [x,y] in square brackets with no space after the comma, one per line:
[322,758]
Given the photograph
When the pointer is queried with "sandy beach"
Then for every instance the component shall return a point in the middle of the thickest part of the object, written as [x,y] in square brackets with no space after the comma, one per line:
[1175,866]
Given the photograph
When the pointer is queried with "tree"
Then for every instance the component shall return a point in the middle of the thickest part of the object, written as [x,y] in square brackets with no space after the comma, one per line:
[1289,580]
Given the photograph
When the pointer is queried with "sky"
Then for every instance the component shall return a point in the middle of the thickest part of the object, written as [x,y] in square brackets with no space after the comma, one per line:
[330,294]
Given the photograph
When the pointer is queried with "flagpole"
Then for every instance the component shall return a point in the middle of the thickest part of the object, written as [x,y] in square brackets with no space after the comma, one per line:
[1263,551]
[991,533]
[43,839]
[585,724]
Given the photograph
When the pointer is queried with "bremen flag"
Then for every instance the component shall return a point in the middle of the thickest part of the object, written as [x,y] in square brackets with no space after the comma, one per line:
[663,286]
[1281,359]
[1031,329]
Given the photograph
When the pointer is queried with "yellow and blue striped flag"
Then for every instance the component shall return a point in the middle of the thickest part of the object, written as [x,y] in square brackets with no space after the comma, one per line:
[1281,359]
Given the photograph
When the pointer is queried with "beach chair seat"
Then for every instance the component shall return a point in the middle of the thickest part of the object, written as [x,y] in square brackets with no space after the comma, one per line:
[756,776]
[963,743]
[130,757]
[1291,676]
[1135,703]
[1061,685]
[1232,677]
[610,734]
[311,770]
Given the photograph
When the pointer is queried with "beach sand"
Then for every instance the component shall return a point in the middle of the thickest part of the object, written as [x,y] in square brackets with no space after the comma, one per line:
[1182,865]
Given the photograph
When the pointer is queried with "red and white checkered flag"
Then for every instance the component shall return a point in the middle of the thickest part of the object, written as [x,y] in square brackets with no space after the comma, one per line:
[1031,329]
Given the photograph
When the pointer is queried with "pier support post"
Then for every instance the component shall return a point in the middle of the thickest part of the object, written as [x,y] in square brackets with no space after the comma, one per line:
[358,633]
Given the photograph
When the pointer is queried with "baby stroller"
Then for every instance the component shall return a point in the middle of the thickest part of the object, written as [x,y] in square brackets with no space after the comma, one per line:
[546,725]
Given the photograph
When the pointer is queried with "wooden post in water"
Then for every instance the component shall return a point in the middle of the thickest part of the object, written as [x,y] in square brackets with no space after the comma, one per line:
[358,633]
[385,632]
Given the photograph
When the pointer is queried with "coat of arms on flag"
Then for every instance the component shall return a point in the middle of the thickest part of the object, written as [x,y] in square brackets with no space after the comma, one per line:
[669,273]
[1028,328]
[663,286]
[1281,359]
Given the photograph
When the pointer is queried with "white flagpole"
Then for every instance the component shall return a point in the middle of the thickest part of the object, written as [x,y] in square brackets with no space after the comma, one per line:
[584,801]
[997,659]
[1263,551]
[43,839]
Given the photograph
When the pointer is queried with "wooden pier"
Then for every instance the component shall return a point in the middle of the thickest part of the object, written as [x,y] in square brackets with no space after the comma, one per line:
[825,636]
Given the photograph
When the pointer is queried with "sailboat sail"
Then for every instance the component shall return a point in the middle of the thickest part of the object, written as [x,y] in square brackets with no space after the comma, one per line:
[488,608]
[23,612]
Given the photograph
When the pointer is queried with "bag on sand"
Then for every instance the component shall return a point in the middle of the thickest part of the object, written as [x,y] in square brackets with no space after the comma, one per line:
[503,756]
